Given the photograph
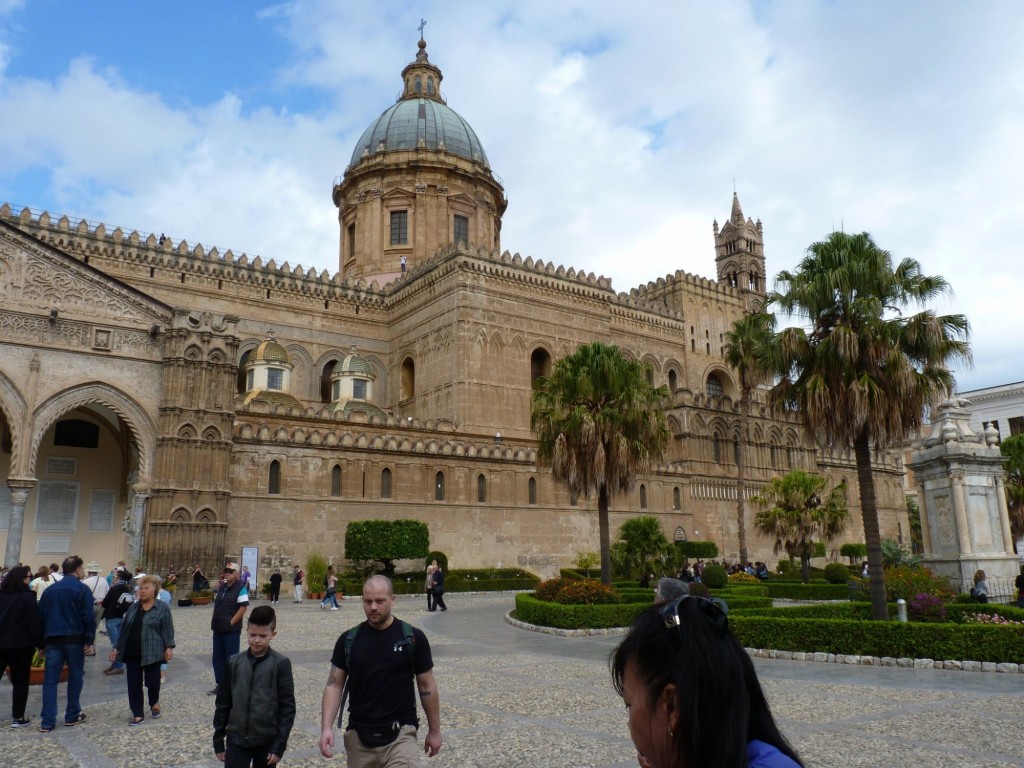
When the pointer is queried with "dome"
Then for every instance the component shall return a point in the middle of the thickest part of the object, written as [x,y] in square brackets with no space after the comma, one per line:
[353,363]
[271,352]
[422,122]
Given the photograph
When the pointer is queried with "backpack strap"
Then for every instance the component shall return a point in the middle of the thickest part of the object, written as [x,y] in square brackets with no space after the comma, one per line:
[350,637]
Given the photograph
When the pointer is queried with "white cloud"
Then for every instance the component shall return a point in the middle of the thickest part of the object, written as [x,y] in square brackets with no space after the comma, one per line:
[618,131]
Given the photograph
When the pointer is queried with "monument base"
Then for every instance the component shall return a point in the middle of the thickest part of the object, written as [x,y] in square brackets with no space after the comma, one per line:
[1000,572]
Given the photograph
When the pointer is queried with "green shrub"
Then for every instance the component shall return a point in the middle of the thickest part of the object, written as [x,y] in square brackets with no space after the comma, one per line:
[836,573]
[698,589]
[698,550]
[714,576]
[790,590]
[548,614]
[586,592]
[316,572]
[442,561]
[854,551]
[975,642]
[785,567]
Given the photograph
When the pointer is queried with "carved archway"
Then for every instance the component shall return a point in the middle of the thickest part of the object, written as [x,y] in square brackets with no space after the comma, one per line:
[139,424]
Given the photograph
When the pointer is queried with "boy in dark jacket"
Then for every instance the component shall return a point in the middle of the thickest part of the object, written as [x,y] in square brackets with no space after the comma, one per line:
[255,700]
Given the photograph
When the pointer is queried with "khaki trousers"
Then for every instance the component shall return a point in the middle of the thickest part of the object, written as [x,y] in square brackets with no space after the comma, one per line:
[403,752]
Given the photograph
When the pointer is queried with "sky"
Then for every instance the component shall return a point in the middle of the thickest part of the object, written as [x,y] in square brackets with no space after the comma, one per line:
[619,130]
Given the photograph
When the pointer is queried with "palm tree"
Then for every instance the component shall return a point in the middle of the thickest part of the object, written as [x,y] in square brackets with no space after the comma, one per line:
[744,349]
[1013,448]
[796,516]
[863,372]
[599,424]
[642,549]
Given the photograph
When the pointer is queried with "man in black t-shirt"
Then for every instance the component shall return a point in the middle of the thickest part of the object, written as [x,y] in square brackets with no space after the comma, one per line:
[382,703]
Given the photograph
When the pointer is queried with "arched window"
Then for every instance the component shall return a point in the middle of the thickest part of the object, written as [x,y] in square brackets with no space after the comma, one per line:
[736,451]
[643,497]
[677,503]
[408,378]
[430,85]
[714,386]
[418,86]
[672,381]
[774,450]
[439,486]
[274,479]
[243,387]
[336,480]
[385,483]
[532,490]
[481,488]
[649,374]
[716,449]
[540,365]
[325,381]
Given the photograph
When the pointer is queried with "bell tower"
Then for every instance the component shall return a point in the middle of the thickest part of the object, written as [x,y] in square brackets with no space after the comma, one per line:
[739,255]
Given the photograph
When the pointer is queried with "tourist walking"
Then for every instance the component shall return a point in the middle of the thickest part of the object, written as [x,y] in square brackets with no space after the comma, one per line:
[98,586]
[439,589]
[115,605]
[297,578]
[275,586]
[21,632]
[331,595]
[228,610]
[42,580]
[428,585]
[146,641]
[69,628]
[375,665]
[256,704]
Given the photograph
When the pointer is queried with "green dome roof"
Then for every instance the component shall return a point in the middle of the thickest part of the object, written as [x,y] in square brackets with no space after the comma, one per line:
[271,352]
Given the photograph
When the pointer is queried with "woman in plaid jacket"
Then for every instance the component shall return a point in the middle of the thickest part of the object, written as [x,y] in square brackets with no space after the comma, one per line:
[146,641]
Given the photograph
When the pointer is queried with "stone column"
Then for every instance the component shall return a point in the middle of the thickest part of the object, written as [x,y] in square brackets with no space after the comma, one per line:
[20,489]
[960,512]
[1004,514]
[137,521]
[926,531]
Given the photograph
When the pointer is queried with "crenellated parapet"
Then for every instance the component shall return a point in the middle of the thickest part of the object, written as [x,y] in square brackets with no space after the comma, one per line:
[168,260]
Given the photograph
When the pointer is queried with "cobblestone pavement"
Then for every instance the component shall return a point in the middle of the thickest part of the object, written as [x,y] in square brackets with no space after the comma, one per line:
[510,697]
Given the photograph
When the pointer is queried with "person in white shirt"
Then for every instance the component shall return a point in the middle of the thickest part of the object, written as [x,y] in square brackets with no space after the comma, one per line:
[99,588]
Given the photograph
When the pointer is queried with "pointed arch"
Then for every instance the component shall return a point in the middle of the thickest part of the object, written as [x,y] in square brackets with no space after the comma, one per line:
[13,405]
[140,426]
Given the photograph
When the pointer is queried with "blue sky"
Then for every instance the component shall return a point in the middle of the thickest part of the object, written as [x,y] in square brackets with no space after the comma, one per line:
[618,129]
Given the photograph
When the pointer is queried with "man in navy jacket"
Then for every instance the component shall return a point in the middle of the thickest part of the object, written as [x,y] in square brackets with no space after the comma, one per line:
[69,628]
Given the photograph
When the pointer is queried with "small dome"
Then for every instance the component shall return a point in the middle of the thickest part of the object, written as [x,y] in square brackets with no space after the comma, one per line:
[412,121]
[353,363]
[270,352]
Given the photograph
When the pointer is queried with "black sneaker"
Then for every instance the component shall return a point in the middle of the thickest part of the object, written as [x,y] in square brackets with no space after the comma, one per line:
[20,722]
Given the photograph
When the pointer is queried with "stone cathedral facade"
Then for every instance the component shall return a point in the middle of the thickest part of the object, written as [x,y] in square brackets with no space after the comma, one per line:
[169,404]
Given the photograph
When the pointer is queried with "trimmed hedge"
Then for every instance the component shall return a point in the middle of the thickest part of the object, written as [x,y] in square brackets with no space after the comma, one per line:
[459,580]
[534,611]
[974,642]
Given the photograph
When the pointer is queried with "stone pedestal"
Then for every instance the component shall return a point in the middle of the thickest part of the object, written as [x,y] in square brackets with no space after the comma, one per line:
[964,521]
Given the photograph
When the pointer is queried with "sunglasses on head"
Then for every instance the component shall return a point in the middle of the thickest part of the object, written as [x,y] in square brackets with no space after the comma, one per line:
[712,607]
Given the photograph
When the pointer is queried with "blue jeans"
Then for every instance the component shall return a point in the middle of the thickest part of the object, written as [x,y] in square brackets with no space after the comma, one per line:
[72,654]
[225,645]
[114,633]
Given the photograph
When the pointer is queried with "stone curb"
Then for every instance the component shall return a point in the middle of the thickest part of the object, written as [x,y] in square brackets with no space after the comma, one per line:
[827,658]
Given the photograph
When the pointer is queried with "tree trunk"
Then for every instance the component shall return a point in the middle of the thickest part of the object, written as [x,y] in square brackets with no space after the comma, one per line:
[872,535]
[741,476]
[606,547]
[805,566]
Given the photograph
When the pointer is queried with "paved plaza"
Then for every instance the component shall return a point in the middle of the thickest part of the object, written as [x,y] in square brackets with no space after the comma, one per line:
[511,697]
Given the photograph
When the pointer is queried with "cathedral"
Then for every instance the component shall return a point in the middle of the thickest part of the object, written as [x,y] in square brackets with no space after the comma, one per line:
[164,403]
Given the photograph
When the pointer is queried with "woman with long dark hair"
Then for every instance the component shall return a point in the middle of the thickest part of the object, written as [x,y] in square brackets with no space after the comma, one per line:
[693,696]
[21,632]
